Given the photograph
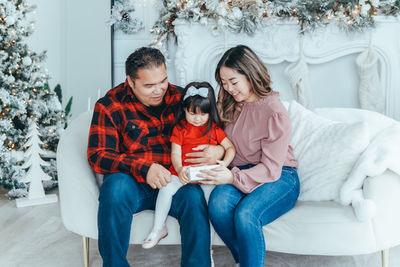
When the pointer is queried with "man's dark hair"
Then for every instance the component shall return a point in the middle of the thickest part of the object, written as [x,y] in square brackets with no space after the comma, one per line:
[143,58]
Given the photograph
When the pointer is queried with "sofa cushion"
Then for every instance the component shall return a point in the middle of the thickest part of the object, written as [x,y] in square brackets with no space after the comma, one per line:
[320,228]
[325,150]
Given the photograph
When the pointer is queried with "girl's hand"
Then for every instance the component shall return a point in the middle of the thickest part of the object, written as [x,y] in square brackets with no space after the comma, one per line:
[182,174]
[222,163]
[217,176]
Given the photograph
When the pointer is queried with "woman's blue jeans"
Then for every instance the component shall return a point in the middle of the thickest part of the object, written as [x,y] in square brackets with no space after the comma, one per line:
[121,196]
[238,218]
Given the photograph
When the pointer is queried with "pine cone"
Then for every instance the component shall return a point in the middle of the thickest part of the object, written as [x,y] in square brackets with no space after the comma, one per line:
[169,22]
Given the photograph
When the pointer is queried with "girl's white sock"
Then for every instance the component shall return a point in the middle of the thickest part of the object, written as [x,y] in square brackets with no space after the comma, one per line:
[164,200]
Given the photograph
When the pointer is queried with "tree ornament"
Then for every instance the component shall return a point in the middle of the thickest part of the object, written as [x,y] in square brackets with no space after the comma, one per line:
[27,61]
[221,10]
[375,3]
[237,13]
[10,79]
[212,4]
[204,21]
[365,9]
[10,20]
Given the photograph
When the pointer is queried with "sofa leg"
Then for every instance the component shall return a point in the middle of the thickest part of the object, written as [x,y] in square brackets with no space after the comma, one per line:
[85,247]
[385,258]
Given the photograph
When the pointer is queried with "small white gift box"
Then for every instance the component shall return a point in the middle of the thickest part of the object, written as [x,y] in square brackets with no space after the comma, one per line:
[193,171]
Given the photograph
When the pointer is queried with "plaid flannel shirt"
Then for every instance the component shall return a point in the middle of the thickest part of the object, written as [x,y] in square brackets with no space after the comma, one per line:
[125,137]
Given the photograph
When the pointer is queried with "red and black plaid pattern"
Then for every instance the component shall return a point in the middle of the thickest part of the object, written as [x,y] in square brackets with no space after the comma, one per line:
[125,137]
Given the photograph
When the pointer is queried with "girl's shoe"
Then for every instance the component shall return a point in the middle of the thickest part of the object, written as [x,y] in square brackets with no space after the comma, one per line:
[154,237]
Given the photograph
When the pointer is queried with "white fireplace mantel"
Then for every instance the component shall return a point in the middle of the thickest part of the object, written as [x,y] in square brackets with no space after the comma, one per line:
[329,52]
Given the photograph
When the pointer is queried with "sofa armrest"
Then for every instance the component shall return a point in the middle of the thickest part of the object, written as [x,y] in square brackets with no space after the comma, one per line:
[384,191]
[77,183]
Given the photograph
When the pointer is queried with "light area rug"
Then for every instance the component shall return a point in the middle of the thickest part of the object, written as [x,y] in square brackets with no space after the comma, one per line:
[36,237]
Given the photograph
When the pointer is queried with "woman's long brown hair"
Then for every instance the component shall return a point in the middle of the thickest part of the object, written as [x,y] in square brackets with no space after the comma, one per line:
[243,60]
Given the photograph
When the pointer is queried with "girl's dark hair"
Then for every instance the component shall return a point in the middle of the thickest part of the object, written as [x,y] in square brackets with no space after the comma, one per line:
[198,103]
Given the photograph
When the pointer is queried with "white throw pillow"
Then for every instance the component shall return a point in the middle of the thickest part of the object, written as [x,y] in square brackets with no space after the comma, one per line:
[325,150]
[376,122]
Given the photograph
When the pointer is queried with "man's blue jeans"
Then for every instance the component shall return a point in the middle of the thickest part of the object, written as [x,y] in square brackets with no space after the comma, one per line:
[121,196]
[238,218]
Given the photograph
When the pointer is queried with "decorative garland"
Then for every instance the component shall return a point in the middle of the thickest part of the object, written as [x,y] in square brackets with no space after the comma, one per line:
[249,15]
[122,18]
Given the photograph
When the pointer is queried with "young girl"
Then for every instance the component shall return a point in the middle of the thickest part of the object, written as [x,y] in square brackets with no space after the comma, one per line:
[197,124]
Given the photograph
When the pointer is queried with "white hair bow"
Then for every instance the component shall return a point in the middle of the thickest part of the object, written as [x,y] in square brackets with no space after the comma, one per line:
[192,91]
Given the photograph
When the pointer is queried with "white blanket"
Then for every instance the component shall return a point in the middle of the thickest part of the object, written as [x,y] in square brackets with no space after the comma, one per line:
[382,153]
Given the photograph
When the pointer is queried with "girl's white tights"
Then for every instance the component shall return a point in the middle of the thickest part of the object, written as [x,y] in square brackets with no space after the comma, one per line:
[164,200]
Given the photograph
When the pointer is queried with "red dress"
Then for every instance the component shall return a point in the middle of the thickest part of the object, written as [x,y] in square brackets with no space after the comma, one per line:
[190,136]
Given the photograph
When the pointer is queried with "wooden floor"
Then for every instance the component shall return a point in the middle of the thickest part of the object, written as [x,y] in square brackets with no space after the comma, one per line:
[36,237]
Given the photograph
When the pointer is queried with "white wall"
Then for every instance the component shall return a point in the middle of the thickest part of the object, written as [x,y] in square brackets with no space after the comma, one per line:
[86,51]
[47,36]
[78,44]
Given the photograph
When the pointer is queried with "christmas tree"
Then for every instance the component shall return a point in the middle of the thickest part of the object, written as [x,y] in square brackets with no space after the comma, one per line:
[24,95]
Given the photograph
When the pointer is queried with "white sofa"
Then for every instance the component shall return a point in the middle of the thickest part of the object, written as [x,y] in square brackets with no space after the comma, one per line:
[311,227]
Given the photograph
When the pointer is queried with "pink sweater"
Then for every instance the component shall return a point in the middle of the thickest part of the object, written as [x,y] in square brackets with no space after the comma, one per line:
[261,135]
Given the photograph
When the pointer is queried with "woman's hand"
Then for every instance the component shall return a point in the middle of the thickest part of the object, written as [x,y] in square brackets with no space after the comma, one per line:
[182,174]
[205,155]
[217,176]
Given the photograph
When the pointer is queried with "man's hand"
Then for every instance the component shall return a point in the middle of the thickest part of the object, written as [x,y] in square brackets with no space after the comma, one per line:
[205,154]
[158,176]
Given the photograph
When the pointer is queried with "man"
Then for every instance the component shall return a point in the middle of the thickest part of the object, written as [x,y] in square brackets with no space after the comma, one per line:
[129,143]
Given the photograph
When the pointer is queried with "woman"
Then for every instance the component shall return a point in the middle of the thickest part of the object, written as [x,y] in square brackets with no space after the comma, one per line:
[262,183]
